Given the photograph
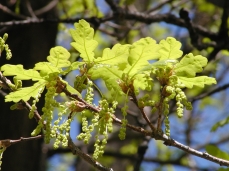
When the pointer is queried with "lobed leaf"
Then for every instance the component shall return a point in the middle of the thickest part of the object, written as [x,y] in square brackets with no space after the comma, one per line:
[170,49]
[45,68]
[26,93]
[20,73]
[110,76]
[59,57]
[142,81]
[197,81]
[190,65]
[116,56]
[84,42]
[140,53]
[76,65]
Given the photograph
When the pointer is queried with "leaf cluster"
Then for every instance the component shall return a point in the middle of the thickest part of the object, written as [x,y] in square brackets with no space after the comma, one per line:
[125,69]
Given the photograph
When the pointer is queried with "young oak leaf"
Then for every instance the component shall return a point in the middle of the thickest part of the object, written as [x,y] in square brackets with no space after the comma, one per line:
[170,49]
[45,68]
[76,65]
[20,73]
[142,81]
[116,56]
[140,53]
[84,42]
[190,65]
[26,93]
[196,81]
[110,76]
[59,57]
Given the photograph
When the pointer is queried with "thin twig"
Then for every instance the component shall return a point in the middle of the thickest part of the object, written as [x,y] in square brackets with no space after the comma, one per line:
[30,9]
[86,157]
[142,112]
[26,105]
[216,90]
[158,6]
[8,11]
[46,8]
[8,142]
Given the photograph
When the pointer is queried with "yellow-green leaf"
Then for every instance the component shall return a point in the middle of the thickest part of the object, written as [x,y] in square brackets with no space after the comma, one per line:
[20,73]
[197,81]
[84,42]
[190,65]
[116,56]
[140,53]
[26,93]
[45,68]
[59,57]
[170,49]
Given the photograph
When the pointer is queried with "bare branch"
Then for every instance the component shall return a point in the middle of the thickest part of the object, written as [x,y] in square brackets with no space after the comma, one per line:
[8,142]
[205,155]
[46,8]
[8,11]
[86,157]
[216,90]
[29,7]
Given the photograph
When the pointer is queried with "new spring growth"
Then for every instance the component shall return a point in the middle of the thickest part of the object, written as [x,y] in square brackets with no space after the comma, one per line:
[4,46]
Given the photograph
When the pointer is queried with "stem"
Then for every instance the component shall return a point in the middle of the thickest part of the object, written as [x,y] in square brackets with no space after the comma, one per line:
[160,111]
[142,112]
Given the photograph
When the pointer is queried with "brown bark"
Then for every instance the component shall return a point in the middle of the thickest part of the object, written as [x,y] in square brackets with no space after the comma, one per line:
[29,44]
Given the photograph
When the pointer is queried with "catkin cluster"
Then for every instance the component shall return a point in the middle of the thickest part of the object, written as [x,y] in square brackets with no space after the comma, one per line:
[171,88]
[50,103]
[4,46]
[102,121]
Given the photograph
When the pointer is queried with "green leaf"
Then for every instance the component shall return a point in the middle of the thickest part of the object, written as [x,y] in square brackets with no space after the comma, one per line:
[197,81]
[140,52]
[220,124]
[190,65]
[71,89]
[215,151]
[170,49]
[20,73]
[75,65]
[110,76]
[84,42]
[142,81]
[45,68]
[26,93]
[158,64]
[223,169]
[116,56]
[59,57]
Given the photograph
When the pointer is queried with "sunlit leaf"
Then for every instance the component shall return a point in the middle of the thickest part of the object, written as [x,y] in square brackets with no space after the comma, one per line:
[110,76]
[142,81]
[46,68]
[190,65]
[116,56]
[59,57]
[26,93]
[140,53]
[170,49]
[197,81]
[84,42]
[20,73]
